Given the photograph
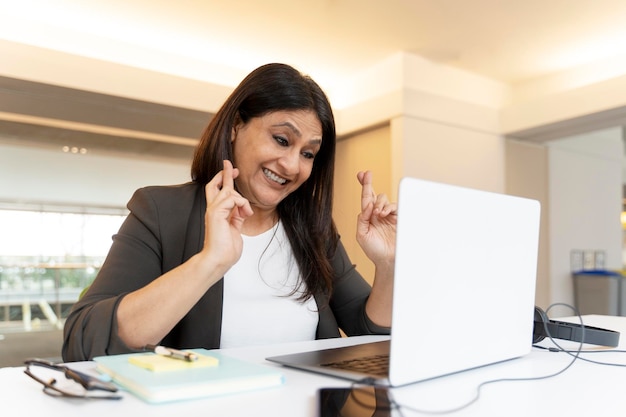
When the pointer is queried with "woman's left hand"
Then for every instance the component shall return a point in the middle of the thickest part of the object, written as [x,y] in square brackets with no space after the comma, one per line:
[376,223]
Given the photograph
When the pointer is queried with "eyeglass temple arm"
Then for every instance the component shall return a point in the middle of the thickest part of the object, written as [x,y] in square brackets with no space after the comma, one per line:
[89,382]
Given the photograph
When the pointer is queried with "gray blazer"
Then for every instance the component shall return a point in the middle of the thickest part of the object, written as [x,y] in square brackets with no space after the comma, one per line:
[165,228]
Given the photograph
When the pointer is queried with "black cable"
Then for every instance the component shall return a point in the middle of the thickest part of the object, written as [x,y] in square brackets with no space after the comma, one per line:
[582,358]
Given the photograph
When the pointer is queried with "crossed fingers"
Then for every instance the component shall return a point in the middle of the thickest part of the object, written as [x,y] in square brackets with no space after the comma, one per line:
[380,204]
[220,192]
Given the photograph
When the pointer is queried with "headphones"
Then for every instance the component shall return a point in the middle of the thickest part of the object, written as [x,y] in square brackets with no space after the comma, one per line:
[571,331]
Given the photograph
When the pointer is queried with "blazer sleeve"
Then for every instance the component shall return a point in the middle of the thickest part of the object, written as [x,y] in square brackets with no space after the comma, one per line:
[134,260]
[350,294]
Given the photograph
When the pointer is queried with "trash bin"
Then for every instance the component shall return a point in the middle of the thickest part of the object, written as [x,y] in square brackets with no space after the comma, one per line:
[599,292]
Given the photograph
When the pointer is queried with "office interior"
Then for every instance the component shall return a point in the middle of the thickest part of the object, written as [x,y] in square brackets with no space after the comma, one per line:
[85,129]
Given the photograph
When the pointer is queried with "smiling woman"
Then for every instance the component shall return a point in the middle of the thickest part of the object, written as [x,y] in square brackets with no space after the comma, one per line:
[247,253]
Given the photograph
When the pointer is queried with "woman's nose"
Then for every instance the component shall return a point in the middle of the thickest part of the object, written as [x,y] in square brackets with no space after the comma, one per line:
[290,162]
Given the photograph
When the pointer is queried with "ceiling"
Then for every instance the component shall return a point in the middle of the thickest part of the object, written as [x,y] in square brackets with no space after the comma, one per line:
[512,41]
[508,40]
[60,118]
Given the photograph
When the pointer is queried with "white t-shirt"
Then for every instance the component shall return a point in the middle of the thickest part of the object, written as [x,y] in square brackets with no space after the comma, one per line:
[257,306]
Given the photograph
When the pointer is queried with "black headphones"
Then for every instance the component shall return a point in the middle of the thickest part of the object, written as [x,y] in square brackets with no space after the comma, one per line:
[571,331]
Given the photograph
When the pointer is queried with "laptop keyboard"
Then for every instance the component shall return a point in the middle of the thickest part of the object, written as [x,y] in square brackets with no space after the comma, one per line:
[375,365]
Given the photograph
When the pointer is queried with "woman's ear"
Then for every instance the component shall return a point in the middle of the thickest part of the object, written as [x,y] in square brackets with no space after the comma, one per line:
[233,134]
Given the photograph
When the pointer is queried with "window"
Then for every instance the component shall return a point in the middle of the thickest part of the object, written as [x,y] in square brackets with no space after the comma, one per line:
[47,257]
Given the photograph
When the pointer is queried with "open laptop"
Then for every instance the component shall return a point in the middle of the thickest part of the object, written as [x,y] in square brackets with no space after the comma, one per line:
[464,287]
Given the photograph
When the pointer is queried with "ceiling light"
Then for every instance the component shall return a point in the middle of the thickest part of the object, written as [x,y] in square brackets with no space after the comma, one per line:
[74,150]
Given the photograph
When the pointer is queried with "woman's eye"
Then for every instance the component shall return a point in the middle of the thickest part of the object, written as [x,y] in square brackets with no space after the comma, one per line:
[308,155]
[281,141]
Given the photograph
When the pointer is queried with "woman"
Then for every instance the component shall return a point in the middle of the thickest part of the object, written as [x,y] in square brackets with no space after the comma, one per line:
[246,253]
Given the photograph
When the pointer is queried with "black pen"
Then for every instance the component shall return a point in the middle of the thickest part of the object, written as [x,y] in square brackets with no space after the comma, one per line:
[172,353]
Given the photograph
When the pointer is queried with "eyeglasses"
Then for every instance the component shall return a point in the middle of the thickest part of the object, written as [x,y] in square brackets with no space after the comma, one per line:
[75,385]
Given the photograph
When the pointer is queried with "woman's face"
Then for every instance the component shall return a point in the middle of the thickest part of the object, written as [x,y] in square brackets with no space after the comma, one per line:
[274,154]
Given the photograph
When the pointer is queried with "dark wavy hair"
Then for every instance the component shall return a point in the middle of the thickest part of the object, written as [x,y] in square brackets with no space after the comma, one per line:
[307,212]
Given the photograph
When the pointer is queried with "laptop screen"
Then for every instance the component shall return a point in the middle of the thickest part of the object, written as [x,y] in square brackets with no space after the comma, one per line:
[465,273]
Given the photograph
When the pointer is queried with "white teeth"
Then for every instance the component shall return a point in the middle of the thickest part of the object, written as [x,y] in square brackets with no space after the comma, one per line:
[269,174]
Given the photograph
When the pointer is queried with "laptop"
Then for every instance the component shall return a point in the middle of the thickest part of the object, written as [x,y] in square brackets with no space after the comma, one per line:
[464,288]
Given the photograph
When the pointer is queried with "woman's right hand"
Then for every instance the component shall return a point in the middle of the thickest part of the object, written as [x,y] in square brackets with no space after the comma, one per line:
[224,217]
[149,313]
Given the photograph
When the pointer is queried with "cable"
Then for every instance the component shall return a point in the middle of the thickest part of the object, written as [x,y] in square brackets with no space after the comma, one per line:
[397,406]
[582,358]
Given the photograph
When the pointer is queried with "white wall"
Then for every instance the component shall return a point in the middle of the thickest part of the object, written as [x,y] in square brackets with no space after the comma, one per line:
[527,176]
[454,139]
[451,154]
[51,176]
[585,192]
[444,121]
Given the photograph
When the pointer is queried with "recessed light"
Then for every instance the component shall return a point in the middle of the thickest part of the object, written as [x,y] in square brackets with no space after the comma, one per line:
[74,150]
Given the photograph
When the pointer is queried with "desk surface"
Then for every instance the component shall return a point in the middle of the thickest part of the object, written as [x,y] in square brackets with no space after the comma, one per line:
[583,389]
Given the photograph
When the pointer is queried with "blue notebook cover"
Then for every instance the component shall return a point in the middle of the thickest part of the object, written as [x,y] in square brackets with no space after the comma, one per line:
[229,376]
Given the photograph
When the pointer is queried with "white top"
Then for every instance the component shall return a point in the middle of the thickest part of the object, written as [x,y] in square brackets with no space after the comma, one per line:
[257,307]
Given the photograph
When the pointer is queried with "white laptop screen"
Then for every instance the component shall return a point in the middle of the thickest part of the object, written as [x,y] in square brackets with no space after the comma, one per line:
[465,275]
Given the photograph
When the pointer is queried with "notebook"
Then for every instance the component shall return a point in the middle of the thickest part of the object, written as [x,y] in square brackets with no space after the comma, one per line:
[464,287]
[156,379]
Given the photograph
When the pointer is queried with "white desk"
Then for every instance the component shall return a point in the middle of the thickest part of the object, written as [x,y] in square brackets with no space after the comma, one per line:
[583,389]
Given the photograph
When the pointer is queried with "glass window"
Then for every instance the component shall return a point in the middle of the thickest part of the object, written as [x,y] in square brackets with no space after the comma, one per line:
[47,257]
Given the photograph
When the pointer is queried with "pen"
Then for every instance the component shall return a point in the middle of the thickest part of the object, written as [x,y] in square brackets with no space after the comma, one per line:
[172,353]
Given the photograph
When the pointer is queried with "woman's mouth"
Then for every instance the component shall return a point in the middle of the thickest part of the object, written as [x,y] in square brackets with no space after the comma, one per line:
[269,174]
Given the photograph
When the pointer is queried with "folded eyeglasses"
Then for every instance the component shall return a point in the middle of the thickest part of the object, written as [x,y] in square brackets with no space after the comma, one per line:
[75,385]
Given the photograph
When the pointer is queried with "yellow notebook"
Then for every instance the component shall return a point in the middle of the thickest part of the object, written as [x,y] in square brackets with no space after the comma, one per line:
[159,363]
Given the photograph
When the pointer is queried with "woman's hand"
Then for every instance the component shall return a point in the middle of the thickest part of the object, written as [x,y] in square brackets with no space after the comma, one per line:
[149,313]
[376,224]
[376,233]
[225,214]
